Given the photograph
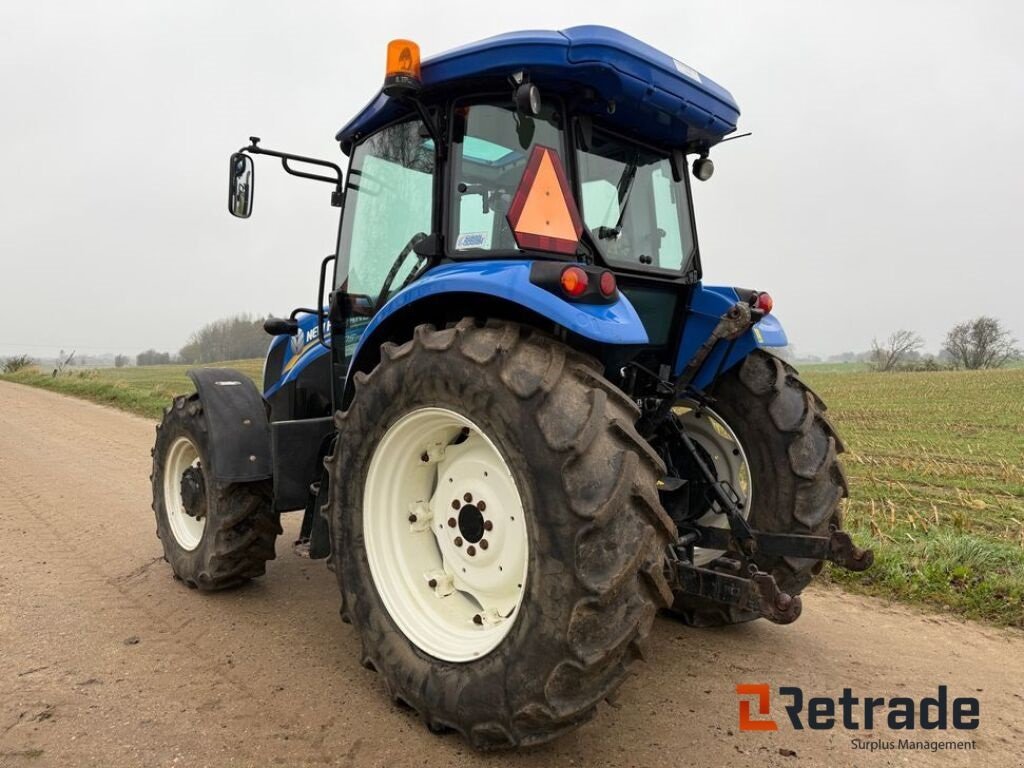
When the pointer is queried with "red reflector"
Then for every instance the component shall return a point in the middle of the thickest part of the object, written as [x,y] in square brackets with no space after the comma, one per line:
[607,284]
[574,281]
[764,303]
[543,215]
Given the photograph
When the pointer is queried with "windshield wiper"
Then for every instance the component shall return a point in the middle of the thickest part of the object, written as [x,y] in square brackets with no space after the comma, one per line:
[624,189]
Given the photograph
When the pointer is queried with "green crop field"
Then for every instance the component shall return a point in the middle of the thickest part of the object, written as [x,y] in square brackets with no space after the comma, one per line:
[935,462]
[936,469]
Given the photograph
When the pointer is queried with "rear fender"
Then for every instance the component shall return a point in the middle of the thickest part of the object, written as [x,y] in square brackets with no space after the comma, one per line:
[505,283]
[707,304]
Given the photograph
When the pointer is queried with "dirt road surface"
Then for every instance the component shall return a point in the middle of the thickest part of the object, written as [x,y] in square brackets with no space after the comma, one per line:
[105,660]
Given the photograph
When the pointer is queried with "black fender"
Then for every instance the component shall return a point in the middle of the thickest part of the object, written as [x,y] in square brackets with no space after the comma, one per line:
[236,419]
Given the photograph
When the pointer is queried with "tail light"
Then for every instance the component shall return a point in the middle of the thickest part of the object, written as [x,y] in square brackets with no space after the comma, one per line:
[574,281]
[764,302]
[578,283]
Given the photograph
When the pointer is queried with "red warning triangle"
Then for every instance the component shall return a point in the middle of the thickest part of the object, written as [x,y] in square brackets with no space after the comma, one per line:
[544,215]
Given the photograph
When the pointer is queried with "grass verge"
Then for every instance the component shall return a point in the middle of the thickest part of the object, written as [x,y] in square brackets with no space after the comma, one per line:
[143,390]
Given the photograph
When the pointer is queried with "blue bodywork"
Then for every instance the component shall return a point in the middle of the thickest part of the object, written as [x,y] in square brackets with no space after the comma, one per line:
[612,324]
[616,323]
[657,98]
[707,304]
[298,352]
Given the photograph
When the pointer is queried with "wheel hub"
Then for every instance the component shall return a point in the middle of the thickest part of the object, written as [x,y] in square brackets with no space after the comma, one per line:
[471,523]
[193,492]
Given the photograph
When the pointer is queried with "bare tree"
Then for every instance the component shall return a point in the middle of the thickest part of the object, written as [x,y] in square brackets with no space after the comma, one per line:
[17,363]
[120,361]
[980,343]
[895,350]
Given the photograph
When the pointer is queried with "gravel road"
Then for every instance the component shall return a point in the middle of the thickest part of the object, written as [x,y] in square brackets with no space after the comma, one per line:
[105,660]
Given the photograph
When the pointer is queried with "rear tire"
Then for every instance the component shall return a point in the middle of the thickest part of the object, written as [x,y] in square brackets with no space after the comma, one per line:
[232,541]
[596,531]
[795,474]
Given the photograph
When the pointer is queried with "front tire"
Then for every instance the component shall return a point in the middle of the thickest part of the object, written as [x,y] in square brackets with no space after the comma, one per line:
[214,535]
[595,533]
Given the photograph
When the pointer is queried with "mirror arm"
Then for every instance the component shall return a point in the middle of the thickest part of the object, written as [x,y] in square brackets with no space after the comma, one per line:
[337,180]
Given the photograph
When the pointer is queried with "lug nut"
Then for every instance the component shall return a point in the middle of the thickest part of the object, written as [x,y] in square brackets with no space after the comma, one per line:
[488,525]
[478,619]
[482,505]
[412,518]
[455,504]
[458,541]
[468,497]
[484,544]
[451,522]
[432,583]
[471,550]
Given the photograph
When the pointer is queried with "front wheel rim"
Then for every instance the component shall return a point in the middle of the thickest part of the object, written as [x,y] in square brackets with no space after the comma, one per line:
[445,534]
[186,529]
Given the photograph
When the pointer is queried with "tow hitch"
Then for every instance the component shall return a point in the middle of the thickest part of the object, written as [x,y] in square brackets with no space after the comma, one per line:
[758,591]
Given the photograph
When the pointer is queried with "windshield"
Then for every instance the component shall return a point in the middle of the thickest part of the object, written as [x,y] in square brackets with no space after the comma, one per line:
[490,148]
[630,202]
[388,208]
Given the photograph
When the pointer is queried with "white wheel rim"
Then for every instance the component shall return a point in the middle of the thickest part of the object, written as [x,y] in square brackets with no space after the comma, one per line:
[187,531]
[453,590]
[710,432]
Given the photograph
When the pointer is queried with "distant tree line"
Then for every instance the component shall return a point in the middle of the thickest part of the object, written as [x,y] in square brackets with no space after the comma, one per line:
[983,342]
[152,357]
[231,338]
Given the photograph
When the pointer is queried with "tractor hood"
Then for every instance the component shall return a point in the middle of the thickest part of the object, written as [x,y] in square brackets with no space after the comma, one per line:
[656,98]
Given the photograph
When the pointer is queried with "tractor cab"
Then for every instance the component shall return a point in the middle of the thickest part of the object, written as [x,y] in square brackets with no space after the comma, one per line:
[566,147]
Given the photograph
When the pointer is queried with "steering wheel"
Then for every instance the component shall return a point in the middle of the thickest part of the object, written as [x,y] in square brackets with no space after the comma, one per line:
[399,261]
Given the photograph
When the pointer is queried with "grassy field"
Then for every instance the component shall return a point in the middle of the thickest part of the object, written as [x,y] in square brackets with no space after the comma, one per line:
[144,390]
[935,462]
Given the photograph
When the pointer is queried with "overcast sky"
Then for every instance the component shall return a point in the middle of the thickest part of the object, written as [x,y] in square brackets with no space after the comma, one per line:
[882,187]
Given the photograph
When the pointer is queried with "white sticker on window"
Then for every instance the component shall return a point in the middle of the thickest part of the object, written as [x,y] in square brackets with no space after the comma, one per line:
[468,240]
[683,69]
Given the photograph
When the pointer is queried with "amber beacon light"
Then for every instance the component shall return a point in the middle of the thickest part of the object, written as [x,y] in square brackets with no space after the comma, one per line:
[403,71]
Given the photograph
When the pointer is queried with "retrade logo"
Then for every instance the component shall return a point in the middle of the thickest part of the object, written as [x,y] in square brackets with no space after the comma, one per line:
[855,713]
[763,694]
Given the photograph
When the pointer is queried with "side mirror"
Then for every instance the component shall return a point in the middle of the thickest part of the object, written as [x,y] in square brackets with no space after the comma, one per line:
[241,176]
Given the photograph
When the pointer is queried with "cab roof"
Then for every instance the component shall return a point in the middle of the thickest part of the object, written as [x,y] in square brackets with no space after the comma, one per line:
[656,98]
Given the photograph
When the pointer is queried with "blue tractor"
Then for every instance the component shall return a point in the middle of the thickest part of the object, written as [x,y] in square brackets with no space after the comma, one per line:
[518,423]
